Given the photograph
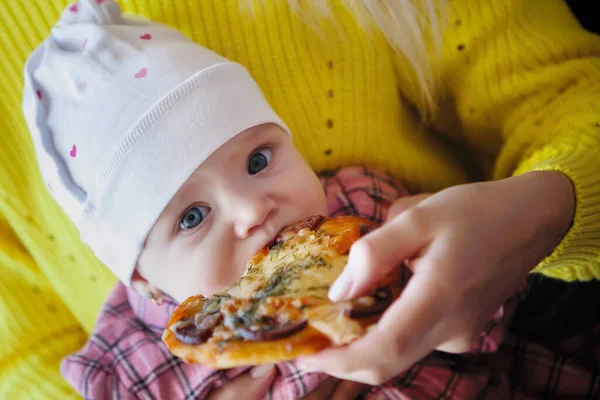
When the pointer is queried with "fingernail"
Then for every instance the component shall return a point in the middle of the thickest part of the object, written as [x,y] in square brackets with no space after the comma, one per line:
[261,370]
[340,290]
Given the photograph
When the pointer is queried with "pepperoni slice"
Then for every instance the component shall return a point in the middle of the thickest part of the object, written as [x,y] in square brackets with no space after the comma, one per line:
[196,330]
[272,332]
[369,305]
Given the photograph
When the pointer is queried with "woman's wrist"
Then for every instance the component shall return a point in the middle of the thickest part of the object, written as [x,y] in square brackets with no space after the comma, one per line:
[551,203]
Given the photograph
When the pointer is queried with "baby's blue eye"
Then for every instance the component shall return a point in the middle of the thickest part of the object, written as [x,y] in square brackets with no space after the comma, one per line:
[259,161]
[193,217]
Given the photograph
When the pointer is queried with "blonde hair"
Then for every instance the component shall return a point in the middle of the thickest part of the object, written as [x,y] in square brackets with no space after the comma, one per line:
[414,30]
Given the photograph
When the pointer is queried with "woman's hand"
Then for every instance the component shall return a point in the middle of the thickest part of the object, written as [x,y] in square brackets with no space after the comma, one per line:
[468,247]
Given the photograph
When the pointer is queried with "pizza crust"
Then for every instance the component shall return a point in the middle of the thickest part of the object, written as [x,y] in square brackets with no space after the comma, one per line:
[240,353]
[331,321]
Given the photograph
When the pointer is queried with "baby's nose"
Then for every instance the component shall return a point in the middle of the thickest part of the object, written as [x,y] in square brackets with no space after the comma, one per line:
[251,215]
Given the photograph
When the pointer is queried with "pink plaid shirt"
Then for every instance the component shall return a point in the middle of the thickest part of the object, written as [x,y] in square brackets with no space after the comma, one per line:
[125,358]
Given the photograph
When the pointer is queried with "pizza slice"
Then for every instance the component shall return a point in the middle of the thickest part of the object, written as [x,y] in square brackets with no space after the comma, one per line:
[279,309]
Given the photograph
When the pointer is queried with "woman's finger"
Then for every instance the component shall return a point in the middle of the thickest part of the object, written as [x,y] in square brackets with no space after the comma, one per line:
[406,333]
[251,385]
[378,253]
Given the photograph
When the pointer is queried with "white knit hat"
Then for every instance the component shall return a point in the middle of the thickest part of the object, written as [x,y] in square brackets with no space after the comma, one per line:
[121,113]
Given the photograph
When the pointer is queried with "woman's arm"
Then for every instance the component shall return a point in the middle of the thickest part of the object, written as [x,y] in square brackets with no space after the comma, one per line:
[522,80]
[524,83]
[36,328]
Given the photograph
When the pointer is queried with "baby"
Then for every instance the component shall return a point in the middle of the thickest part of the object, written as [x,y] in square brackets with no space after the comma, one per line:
[171,163]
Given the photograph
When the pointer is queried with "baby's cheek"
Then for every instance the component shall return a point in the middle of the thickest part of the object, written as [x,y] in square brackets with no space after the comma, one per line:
[171,273]
[305,194]
[321,202]
[207,275]
[317,198]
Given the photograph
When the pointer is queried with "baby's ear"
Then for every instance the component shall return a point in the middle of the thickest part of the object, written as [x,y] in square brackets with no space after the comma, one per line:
[145,288]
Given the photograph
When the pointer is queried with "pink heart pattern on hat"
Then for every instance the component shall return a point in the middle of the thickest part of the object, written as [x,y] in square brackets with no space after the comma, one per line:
[73,151]
[142,73]
[73,8]
[146,36]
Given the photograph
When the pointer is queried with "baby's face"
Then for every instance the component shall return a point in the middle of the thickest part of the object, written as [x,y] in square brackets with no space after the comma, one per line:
[233,205]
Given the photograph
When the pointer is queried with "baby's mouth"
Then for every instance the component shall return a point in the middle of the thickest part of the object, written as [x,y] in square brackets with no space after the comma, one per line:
[271,242]
[267,246]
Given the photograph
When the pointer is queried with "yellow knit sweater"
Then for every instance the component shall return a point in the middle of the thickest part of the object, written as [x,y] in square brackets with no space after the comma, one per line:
[521,89]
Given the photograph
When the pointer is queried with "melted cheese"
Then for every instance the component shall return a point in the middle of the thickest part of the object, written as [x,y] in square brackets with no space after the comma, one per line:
[304,264]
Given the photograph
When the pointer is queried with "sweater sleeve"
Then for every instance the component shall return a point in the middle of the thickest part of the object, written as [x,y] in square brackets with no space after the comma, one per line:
[521,81]
[36,329]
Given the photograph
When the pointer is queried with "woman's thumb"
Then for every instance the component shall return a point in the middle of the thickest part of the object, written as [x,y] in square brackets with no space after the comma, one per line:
[251,385]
